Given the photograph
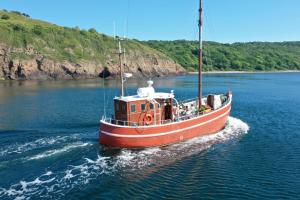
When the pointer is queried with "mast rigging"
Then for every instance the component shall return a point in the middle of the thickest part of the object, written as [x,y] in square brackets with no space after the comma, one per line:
[121,67]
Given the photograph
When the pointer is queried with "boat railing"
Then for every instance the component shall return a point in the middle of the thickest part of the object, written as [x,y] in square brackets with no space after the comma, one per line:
[122,122]
[135,124]
[188,100]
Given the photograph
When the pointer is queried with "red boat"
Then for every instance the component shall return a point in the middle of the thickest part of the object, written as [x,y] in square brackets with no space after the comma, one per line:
[152,118]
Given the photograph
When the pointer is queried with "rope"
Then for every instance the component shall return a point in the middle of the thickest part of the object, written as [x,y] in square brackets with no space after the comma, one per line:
[104,98]
[209,28]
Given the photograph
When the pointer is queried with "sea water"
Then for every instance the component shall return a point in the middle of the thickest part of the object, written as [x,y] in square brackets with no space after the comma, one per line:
[49,142]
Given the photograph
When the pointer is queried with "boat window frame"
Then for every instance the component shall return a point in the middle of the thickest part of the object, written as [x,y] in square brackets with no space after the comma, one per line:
[151,106]
[143,107]
[133,106]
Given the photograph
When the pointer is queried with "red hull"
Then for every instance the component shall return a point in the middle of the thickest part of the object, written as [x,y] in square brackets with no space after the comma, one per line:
[149,136]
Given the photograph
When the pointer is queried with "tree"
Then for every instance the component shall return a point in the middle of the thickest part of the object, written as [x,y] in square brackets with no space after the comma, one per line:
[92,30]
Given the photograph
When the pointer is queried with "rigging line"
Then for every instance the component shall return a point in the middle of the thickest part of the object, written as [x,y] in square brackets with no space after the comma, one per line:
[125,66]
[207,54]
[127,17]
[104,97]
[125,28]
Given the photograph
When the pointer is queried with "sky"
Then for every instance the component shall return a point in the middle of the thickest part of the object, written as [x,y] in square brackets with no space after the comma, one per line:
[225,21]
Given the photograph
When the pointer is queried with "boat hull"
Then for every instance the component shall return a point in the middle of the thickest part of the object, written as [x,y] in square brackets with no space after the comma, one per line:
[149,136]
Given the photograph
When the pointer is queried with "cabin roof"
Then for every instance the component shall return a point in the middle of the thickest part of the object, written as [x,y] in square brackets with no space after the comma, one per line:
[156,95]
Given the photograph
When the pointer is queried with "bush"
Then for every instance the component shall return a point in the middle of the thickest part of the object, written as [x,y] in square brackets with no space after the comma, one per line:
[5,17]
[76,28]
[38,30]
[83,32]
[16,12]
[26,15]
[21,14]
[92,30]
[191,69]
[18,27]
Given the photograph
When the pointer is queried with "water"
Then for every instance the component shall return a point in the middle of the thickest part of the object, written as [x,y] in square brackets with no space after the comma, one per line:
[49,147]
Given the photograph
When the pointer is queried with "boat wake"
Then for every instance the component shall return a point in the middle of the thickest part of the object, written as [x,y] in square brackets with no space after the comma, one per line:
[39,143]
[161,156]
[55,184]
[54,152]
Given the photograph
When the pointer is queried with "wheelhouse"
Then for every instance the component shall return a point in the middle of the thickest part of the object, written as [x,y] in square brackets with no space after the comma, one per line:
[146,108]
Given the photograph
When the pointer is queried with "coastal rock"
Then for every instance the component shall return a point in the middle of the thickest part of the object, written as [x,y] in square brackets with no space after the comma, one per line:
[38,67]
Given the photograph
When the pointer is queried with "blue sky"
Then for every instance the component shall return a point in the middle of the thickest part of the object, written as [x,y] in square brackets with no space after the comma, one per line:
[225,20]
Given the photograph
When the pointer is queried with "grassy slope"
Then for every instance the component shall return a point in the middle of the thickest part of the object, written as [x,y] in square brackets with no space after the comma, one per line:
[254,56]
[73,44]
[61,43]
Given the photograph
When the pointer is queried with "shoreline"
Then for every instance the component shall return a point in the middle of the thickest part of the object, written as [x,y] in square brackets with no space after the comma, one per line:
[171,75]
[245,72]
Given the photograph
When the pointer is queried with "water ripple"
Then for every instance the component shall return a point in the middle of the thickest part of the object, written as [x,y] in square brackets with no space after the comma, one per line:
[53,184]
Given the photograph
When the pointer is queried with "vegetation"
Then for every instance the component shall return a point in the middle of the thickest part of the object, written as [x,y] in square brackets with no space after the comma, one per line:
[253,56]
[18,30]
[5,17]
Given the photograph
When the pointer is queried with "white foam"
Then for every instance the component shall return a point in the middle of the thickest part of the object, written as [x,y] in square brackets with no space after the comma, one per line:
[54,152]
[133,159]
[151,150]
[27,188]
[47,173]
[69,174]
[18,148]
[20,198]
[138,159]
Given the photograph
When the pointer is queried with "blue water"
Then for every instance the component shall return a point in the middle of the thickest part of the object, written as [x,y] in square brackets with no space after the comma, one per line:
[49,147]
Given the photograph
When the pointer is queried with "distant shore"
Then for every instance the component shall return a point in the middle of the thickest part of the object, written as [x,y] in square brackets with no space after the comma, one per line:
[194,73]
[245,72]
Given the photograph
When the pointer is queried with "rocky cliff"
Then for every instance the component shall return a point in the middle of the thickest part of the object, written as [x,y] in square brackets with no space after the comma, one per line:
[33,49]
[38,66]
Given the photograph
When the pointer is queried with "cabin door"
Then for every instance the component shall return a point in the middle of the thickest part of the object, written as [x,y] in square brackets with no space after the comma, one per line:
[168,112]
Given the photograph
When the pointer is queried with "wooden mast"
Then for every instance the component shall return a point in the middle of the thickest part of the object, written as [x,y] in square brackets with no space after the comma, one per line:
[200,58]
[121,68]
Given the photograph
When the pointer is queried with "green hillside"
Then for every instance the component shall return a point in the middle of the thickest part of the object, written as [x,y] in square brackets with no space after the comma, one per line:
[254,56]
[18,30]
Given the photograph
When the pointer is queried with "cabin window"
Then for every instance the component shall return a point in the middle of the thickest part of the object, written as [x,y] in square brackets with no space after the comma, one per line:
[143,107]
[151,106]
[133,108]
[117,107]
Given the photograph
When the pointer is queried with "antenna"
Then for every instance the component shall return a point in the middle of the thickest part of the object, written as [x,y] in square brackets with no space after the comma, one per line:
[114,27]
[124,36]
[122,51]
